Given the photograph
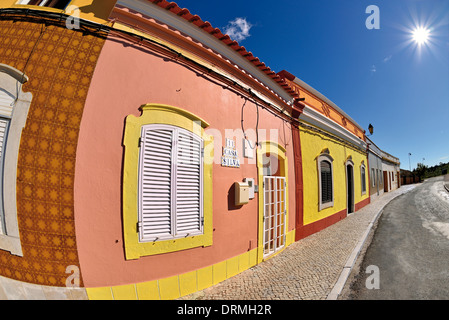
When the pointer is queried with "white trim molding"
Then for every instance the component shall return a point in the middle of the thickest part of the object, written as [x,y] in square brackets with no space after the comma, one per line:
[319,120]
[362,178]
[325,156]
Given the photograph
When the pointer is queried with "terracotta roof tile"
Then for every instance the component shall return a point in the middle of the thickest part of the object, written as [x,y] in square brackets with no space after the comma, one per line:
[207,27]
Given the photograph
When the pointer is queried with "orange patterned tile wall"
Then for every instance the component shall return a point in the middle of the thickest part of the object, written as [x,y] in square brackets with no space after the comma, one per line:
[59,63]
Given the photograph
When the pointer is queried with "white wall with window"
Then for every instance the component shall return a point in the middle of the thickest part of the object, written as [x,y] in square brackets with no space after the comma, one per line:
[14,106]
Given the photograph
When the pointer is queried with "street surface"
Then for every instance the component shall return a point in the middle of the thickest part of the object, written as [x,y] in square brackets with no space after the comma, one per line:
[306,270]
[410,247]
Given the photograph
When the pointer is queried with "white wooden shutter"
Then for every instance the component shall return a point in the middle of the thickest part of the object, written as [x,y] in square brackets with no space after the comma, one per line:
[188,184]
[6,102]
[170,183]
[155,218]
[3,133]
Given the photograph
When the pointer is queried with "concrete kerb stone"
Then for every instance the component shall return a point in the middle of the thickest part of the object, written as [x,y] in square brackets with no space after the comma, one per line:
[347,268]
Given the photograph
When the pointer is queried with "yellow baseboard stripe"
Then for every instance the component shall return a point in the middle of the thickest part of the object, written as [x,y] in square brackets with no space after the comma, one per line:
[182,285]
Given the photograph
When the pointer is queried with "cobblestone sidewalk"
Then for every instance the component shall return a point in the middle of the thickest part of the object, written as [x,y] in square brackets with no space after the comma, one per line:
[307,269]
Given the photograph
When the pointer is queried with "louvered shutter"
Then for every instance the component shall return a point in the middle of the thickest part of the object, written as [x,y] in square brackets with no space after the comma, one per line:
[6,108]
[3,132]
[188,184]
[170,183]
[6,102]
[326,182]
[363,179]
[155,219]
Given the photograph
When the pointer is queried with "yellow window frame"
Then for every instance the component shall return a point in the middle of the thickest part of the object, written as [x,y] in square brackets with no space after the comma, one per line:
[169,115]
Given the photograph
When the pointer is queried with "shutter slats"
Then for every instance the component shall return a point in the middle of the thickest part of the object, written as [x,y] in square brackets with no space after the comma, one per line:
[326,182]
[170,182]
[3,125]
[188,206]
[155,176]
[6,100]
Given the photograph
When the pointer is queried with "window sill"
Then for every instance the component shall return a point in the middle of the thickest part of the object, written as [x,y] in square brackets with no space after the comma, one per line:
[323,206]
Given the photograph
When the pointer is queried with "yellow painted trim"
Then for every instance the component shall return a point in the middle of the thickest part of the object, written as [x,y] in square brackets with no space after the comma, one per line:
[179,285]
[126,292]
[232,267]
[104,293]
[188,283]
[219,272]
[244,261]
[97,11]
[274,148]
[205,278]
[162,114]
[169,288]
[148,290]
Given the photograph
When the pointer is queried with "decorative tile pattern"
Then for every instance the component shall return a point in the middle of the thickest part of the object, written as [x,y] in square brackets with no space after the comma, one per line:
[60,70]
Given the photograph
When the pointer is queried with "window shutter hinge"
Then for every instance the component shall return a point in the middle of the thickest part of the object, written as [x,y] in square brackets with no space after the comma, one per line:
[140,141]
[202,221]
[138,226]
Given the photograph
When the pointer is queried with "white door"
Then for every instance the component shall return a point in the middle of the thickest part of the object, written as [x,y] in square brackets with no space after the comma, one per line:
[275,212]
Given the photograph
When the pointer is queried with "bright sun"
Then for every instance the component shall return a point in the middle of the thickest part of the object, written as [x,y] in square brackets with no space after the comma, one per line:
[421,35]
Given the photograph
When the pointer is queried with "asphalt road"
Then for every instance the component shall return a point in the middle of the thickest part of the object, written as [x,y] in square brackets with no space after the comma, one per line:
[410,249]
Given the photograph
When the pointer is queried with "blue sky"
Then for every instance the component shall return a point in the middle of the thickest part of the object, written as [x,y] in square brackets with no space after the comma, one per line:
[378,76]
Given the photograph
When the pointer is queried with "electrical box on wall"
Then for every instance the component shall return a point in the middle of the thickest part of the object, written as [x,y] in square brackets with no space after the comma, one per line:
[241,193]
[252,187]
[248,150]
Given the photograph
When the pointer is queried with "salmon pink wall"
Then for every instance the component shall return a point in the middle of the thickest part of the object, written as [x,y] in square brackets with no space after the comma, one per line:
[125,78]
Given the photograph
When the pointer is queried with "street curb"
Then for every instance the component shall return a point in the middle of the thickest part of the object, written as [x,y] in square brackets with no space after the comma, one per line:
[446,186]
[349,265]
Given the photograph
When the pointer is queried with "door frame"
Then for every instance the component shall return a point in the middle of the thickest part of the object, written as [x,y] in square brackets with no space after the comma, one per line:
[270,147]
[349,163]
[274,217]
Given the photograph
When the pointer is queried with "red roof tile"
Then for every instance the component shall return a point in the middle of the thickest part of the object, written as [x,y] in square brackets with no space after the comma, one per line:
[206,26]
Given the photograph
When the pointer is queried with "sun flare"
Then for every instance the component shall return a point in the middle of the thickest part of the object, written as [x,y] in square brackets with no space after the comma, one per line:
[421,35]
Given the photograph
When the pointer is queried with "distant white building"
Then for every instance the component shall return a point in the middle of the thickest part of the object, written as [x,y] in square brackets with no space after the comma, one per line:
[391,172]
[375,170]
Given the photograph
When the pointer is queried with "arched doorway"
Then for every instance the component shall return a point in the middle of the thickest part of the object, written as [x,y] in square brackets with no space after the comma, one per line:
[273,195]
[350,186]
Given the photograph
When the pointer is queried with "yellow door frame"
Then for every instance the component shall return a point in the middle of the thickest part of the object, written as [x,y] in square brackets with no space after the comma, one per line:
[271,148]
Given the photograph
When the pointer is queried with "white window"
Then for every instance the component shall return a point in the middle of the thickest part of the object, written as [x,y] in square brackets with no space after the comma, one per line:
[170,183]
[58,4]
[373,177]
[14,106]
[326,181]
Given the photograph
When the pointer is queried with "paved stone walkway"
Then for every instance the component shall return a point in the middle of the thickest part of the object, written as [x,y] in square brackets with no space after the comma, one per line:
[306,270]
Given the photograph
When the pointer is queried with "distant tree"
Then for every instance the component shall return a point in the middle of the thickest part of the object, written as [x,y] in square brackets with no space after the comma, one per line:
[420,170]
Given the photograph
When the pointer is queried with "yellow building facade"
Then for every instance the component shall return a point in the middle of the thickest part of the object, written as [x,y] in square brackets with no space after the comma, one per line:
[333,162]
